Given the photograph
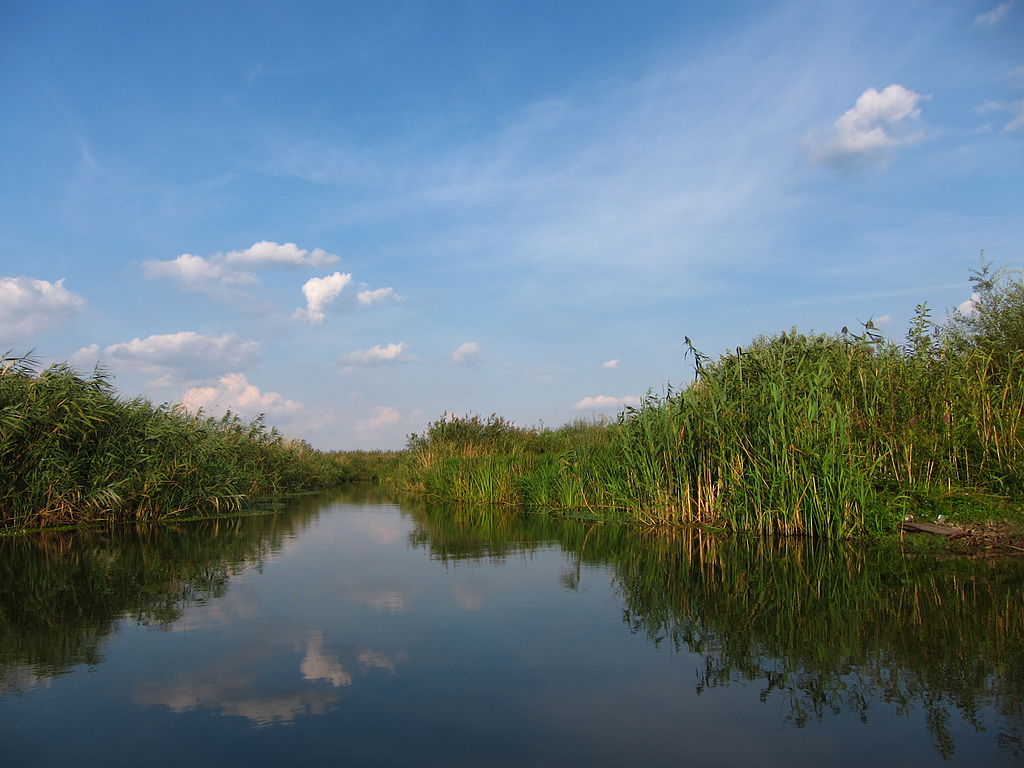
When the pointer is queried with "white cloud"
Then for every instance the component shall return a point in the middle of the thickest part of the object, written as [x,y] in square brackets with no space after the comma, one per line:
[605,402]
[288,254]
[186,350]
[969,307]
[871,129]
[234,392]
[230,269]
[28,306]
[197,273]
[320,665]
[467,353]
[1018,120]
[89,355]
[995,16]
[378,355]
[610,365]
[370,659]
[170,357]
[381,417]
[883,320]
[368,298]
[319,292]
[1015,108]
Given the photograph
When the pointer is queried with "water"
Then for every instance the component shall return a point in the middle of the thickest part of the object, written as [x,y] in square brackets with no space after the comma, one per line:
[348,630]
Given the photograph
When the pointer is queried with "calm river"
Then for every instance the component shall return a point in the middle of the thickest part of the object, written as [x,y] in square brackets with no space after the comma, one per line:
[346,630]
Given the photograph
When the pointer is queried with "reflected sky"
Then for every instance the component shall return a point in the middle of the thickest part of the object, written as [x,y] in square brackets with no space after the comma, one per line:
[377,634]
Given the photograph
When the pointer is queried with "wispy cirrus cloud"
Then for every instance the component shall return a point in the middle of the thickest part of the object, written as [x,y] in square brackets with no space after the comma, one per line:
[994,17]
[565,181]
[1014,108]
[28,305]
[610,365]
[224,270]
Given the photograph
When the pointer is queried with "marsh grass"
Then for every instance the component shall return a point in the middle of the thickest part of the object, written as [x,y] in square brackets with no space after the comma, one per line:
[73,452]
[796,434]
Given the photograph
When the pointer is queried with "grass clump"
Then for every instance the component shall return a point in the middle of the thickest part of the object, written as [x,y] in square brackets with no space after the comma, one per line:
[73,452]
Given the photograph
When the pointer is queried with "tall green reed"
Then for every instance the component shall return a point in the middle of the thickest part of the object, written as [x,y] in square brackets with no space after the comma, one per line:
[72,451]
[796,434]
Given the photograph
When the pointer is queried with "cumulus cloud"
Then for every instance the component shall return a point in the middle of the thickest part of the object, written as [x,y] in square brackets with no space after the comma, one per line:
[610,365]
[187,351]
[266,253]
[605,402]
[467,353]
[381,417]
[378,355]
[197,273]
[319,292]
[234,268]
[969,307]
[85,356]
[28,306]
[872,129]
[234,392]
[994,17]
[368,298]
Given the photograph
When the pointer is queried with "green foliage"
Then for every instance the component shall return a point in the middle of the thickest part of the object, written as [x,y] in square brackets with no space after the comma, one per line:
[797,434]
[364,465]
[72,452]
[994,323]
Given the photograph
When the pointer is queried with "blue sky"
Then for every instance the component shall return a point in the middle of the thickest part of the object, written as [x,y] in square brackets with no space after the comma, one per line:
[355,217]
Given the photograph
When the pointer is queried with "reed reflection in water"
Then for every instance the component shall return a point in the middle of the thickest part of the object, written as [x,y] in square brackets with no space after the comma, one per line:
[827,626]
[329,611]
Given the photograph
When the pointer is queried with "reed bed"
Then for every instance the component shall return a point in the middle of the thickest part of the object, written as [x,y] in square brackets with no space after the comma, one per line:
[797,434]
[73,452]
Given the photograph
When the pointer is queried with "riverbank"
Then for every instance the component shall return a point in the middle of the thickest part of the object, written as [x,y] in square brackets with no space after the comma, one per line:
[72,452]
[836,435]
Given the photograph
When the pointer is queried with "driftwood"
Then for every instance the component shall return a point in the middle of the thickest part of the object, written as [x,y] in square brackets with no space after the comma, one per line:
[936,530]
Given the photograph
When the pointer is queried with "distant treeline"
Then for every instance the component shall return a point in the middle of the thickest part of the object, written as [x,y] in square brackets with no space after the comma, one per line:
[795,434]
[73,452]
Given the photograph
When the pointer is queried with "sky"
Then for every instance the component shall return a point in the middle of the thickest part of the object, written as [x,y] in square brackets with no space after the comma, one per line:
[357,217]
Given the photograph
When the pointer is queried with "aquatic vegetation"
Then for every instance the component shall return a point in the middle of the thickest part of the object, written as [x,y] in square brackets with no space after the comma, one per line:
[796,434]
[363,465]
[72,452]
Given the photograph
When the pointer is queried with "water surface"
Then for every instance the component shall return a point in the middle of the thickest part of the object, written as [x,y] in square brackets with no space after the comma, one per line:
[348,630]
